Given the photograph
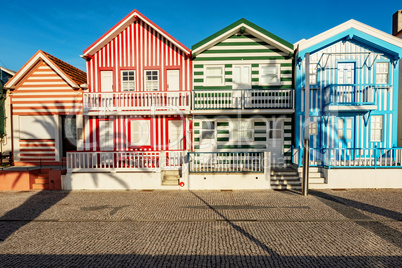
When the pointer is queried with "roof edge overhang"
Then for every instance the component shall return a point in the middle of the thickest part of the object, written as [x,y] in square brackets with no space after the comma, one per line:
[250,28]
[39,55]
[10,72]
[121,25]
[352,30]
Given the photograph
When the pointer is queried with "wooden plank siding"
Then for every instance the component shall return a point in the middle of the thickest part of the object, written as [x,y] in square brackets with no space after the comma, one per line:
[139,47]
[44,92]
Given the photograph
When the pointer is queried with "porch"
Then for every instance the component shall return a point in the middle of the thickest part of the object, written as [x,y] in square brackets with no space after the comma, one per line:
[266,100]
[123,103]
[350,97]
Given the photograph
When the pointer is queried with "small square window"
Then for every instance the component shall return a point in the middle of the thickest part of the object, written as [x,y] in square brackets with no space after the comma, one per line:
[128,81]
[214,75]
[270,74]
[241,131]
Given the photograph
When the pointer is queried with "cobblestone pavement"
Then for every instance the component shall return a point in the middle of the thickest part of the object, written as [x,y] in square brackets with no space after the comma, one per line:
[353,228]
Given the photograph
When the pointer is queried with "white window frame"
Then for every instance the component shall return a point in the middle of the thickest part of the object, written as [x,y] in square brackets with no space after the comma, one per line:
[278,66]
[142,122]
[378,73]
[214,124]
[222,76]
[128,81]
[373,128]
[241,132]
[147,82]
[313,129]
[313,72]
[248,83]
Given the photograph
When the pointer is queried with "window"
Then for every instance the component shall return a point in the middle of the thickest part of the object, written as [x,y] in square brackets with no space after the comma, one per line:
[241,77]
[313,128]
[313,73]
[140,133]
[270,74]
[127,80]
[152,80]
[241,131]
[382,73]
[214,75]
[275,129]
[376,128]
[208,130]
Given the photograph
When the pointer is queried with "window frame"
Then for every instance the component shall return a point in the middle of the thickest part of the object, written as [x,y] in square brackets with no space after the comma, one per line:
[381,130]
[206,76]
[243,132]
[137,144]
[122,81]
[377,73]
[202,130]
[260,74]
[146,81]
[313,73]
[249,82]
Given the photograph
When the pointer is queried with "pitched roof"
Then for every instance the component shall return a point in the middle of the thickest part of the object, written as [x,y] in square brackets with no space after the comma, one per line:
[78,76]
[250,28]
[73,76]
[340,30]
[10,72]
[124,23]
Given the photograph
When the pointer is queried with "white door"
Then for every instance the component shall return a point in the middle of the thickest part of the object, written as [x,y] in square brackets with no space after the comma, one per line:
[346,75]
[175,134]
[106,135]
[275,141]
[106,81]
[241,77]
[173,80]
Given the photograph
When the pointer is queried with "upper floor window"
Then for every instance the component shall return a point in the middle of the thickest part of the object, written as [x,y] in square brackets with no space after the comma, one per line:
[152,80]
[106,81]
[270,74]
[214,75]
[127,80]
[376,128]
[382,73]
[313,73]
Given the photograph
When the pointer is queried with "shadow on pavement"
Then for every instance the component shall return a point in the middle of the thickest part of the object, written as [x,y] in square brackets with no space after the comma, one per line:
[29,210]
[348,208]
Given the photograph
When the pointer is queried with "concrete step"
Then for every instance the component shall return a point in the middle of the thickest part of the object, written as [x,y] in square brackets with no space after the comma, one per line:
[311,169]
[40,186]
[171,173]
[41,180]
[315,175]
[316,180]
[275,177]
[170,183]
[283,173]
[286,187]
[284,182]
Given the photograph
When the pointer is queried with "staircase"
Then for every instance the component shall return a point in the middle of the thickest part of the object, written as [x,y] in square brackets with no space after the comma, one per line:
[285,178]
[171,178]
[42,180]
[316,178]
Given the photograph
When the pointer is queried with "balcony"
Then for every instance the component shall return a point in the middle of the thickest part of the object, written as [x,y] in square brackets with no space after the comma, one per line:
[350,97]
[244,100]
[125,103]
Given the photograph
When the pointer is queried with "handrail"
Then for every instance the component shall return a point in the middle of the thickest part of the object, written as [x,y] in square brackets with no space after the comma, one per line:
[350,94]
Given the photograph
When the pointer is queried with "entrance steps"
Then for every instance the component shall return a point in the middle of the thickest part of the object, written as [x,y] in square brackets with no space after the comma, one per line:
[315,177]
[285,179]
[171,178]
[42,180]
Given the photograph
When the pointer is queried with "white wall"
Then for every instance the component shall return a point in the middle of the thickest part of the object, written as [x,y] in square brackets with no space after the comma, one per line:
[219,181]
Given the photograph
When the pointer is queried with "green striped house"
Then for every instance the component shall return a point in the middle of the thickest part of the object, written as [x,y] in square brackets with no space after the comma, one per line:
[243,96]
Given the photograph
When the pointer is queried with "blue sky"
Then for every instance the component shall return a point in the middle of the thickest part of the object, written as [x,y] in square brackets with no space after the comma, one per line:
[65,29]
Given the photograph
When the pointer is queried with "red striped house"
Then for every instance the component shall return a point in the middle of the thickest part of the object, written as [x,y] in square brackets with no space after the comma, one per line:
[139,97]
[46,109]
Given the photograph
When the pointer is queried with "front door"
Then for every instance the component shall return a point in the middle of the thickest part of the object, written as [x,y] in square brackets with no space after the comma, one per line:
[346,75]
[241,77]
[106,135]
[275,141]
[173,80]
[175,134]
[346,137]
[68,132]
[106,81]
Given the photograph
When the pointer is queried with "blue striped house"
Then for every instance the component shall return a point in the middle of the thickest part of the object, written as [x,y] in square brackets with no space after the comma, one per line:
[350,74]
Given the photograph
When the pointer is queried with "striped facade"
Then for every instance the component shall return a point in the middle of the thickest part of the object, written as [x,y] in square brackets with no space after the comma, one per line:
[137,44]
[243,44]
[44,95]
[365,54]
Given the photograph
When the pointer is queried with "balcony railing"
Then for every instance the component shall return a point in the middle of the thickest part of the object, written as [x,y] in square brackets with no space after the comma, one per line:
[124,161]
[202,162]
[243,99]
[136,101]
[352,157]
[350,94]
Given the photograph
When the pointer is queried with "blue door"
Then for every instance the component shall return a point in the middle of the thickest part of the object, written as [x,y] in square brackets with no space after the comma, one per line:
[346,137]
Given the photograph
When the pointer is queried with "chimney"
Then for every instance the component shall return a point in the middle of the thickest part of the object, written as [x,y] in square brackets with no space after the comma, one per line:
[397,22]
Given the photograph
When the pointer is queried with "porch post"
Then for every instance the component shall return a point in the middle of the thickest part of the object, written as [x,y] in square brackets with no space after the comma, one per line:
[267,165]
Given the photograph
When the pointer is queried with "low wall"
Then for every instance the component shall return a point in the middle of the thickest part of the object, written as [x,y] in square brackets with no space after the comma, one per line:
[361,178]
[232,181]
[15,180]
[111,181]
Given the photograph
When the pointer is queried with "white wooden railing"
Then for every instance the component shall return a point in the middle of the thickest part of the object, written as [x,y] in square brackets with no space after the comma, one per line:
[350,94]
[226,162]
[124,161]
[243,99]
[134,101]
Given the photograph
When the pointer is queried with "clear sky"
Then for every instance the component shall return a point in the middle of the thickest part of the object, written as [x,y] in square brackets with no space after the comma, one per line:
[65,28]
